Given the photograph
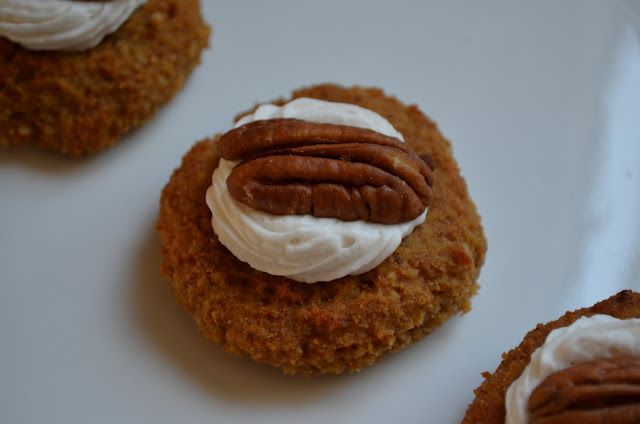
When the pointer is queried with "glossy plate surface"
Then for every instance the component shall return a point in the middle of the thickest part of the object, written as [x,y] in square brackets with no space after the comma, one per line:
[542,103]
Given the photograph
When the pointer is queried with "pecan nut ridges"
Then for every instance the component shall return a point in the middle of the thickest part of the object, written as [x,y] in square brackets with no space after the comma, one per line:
[294,167]
[599,391]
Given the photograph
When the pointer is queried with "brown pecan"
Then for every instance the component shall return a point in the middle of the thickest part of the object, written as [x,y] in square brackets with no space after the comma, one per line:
[293,167]
[599,391]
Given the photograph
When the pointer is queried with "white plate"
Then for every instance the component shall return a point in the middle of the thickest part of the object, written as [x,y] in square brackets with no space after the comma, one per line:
[542,103]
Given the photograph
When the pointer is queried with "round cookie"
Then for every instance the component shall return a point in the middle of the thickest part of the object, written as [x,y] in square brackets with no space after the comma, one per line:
[83,102]
[489,404]
[340,325]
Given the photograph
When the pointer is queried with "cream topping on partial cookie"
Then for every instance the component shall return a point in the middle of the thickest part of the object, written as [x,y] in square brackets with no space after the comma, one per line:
[589,338]
[303,247]
[62,24]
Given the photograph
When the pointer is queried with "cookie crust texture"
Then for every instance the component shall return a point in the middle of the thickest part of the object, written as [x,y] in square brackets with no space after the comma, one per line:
[488,406]
[80,103]
[341,325]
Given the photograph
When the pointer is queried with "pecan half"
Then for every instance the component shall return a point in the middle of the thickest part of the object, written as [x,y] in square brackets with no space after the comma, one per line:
[599,391]
[294,167]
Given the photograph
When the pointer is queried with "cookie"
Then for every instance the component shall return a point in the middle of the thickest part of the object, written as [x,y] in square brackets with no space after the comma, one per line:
[332,326]
[489,404]
[82,102]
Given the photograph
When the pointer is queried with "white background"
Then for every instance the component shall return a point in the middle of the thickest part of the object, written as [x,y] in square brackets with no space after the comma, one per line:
[542,103]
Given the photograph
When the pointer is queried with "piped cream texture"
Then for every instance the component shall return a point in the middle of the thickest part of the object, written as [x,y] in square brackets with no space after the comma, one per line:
[303,247]
[63,25]
[589,338]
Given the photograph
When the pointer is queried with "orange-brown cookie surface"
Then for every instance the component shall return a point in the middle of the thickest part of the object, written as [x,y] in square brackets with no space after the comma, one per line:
[489,404]
[336,326]
[83,102]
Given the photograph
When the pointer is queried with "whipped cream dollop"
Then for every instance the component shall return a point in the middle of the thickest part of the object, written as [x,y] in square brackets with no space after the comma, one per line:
[62,24]
[303,247]
[589,338]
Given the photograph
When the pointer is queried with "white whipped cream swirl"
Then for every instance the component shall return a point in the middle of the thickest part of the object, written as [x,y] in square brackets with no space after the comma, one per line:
[589,338]
[62,24]
[303,247]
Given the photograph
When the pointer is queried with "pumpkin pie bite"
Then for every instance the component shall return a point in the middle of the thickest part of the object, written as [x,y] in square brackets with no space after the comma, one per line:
[76,76]
[583,367]
[321,232]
